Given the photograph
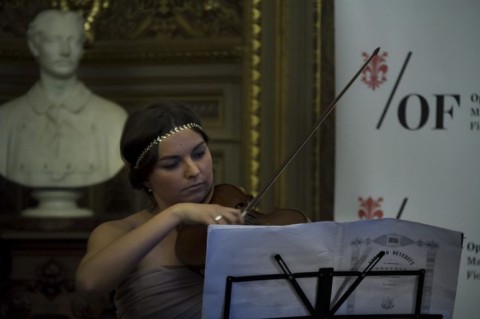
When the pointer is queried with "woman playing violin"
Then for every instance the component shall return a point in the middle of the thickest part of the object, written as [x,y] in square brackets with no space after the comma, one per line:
[166,152]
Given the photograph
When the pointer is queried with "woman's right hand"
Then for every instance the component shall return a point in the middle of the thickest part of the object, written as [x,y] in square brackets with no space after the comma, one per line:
[192,213]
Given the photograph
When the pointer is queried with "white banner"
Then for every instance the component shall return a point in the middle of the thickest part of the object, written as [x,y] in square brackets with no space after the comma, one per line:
[408,130]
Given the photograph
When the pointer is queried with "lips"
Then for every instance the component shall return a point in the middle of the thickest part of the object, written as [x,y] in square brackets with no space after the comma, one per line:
[63,62]
[194,187]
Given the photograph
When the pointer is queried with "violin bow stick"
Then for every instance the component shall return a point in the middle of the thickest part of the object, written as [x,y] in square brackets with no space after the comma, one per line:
[295,151]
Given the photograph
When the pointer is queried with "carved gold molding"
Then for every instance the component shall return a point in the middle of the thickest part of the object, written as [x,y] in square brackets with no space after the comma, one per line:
[253,89]
[124,31]
[91,9]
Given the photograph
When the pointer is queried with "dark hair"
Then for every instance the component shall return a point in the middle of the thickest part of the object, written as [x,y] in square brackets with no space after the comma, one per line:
[143,127]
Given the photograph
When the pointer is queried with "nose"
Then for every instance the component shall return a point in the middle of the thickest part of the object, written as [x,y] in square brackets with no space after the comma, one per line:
[65,47]
[191,168]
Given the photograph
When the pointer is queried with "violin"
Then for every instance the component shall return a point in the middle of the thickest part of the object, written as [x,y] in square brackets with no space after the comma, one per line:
[191,243]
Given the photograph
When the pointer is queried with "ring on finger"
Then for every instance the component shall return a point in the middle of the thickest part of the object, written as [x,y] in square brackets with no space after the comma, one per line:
[217,219]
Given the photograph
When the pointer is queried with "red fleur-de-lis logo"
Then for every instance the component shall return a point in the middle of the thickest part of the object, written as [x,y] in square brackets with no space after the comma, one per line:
[370,208]
[375,73]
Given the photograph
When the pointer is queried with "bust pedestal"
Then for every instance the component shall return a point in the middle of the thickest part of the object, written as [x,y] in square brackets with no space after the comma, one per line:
[57,203]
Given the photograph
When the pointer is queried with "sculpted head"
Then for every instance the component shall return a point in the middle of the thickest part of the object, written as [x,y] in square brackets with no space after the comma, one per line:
[56,39]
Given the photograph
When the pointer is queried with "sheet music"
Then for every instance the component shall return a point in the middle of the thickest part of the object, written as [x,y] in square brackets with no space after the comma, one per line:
[249,250]
[408,246]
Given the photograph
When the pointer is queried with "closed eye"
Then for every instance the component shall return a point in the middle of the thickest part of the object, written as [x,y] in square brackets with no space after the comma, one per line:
[172,162]
[169,165]
[198,154]
[199,151]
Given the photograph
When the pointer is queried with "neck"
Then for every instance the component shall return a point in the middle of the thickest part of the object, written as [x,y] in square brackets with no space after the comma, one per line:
[57,88]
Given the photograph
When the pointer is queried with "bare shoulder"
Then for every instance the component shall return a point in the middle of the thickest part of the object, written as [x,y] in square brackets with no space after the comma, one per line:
[111,230]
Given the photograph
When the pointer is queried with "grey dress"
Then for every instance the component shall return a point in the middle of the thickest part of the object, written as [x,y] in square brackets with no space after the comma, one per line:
[165,292]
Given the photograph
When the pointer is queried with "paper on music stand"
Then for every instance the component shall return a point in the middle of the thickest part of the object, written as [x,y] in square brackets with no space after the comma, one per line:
[249,250]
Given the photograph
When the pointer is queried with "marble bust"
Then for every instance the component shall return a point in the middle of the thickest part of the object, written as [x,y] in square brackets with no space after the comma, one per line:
[59,134]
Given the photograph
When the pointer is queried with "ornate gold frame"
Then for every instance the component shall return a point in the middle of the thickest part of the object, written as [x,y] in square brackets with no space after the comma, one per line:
[253,76]
[252,85]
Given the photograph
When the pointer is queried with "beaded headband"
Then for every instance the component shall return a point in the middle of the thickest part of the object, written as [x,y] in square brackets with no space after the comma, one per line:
[174,130]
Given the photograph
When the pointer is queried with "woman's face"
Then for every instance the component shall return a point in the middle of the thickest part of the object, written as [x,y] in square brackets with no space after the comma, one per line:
[183,172]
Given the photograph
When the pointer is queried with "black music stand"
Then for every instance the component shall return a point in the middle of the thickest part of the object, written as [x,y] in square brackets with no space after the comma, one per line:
[322,308]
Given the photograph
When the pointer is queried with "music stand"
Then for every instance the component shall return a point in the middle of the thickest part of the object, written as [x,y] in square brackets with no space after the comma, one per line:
[322,308]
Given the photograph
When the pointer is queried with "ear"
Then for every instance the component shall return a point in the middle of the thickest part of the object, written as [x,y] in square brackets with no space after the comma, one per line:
[147,184]
[33,46]
[82,49]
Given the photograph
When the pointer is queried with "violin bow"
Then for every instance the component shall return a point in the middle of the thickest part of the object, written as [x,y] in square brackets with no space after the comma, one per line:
[300,145]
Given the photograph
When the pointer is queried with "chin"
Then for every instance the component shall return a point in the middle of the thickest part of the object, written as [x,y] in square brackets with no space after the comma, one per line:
[199,196]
